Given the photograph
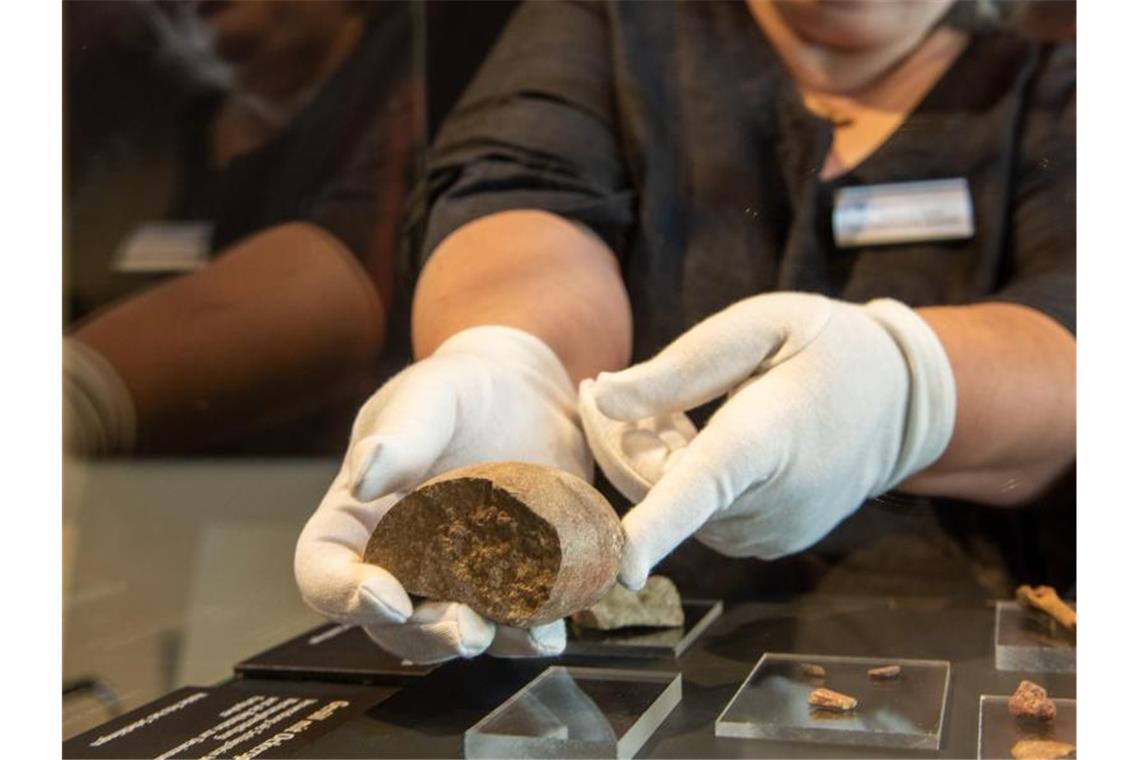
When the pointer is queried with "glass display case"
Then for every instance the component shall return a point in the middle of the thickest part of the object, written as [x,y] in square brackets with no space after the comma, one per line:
[248,200]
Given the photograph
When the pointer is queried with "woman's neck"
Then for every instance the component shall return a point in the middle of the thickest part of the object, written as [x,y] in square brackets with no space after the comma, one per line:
[865,94]
[828,69]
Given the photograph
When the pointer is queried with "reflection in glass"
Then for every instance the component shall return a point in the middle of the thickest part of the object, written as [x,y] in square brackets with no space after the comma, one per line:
[238,175]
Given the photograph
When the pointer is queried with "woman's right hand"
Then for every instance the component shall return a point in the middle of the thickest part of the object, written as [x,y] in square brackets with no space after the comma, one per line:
[489,393]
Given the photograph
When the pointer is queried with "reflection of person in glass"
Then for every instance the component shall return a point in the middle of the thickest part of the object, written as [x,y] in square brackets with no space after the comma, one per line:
[657,183]
[298,157]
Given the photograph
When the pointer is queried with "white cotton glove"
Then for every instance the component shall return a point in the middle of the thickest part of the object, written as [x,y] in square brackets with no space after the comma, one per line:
[98,411]
[830,403]
[487,394]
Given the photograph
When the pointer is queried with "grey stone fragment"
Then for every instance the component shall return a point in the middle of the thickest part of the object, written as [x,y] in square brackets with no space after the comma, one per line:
[658,604]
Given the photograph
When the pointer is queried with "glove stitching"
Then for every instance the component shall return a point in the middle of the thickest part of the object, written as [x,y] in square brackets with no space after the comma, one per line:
[398,616]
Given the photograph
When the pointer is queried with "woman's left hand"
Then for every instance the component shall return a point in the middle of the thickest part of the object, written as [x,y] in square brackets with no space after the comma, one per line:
[829,403]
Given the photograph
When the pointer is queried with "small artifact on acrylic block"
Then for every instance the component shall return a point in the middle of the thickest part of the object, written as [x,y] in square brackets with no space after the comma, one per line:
[1031,702]
[884,673]
[811,670]
[656,605]
[1042,749]
[1045,599]
[521,544]
[832,701]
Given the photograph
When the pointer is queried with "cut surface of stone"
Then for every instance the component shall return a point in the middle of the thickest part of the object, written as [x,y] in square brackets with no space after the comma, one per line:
[521,544]
[885,673]
[811,670]
[826,699]
[1042,749]
[658,604]
[1031,701]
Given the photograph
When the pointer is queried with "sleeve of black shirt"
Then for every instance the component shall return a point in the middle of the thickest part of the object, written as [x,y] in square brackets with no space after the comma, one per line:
[1043,241]
[535,130]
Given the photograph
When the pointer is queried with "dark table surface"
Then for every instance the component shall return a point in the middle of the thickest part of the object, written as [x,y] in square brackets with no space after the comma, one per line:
[427,717]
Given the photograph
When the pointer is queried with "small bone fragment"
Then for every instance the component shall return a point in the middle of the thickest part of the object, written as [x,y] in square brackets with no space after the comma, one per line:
[1031,701]
[1045,599]
[826,699]
[1042,749]
[658,604]
[811,670]
[885,673]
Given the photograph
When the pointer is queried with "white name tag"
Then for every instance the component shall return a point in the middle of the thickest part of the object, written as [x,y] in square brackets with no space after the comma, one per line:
[903,212]
[165,247]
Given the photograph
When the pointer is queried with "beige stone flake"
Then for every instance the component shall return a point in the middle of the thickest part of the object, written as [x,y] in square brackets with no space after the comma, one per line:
[811,670]
[885,673]
[1042,749]
[826,699]
[1045,599]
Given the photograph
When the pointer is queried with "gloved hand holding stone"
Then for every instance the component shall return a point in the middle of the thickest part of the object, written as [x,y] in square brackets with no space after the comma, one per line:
[829,404]
[487,394]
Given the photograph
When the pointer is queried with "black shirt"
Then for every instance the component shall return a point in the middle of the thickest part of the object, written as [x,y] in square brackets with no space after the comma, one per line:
[672,130]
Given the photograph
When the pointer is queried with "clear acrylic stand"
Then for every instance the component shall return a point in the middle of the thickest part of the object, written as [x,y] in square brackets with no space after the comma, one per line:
[644,641]
[577,712]
[906,712]
[1031,641]
[998,731]
[332,652]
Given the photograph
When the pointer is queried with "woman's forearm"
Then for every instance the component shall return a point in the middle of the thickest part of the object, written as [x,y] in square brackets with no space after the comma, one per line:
[534,271]
[1015,429]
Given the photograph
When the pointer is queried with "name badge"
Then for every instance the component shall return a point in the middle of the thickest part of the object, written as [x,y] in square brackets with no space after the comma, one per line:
[156,247]
[903,212]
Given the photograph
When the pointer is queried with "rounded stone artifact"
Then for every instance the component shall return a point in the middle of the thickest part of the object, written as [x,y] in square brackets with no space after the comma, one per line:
[521,544]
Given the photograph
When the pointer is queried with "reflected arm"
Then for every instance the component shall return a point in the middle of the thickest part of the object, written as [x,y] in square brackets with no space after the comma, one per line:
[276,326]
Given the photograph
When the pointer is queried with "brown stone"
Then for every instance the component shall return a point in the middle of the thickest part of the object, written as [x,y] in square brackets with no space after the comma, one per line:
[657,604]
[885,673]
[1042,749]
[811,670]
[521,544]
[1045,599]
[1030,701]
[826,699]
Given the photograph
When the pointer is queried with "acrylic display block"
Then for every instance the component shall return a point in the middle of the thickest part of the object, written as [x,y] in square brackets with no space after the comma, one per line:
[645,641]
[1031,641]
[906,712]
[577,712]
[998,731]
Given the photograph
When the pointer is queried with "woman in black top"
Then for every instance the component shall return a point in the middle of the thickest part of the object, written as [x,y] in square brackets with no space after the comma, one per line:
[618,173]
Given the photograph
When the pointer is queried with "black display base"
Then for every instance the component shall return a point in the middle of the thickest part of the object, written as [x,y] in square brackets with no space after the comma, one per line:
[266,719]
[331,652]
